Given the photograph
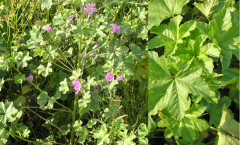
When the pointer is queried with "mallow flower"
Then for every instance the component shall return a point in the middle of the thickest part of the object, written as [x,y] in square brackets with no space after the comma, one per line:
[109,77]
[95,46]
[89,8]
[116,28]
[120,78]
[48,29]
[21,41]
[30,78]
[77,86]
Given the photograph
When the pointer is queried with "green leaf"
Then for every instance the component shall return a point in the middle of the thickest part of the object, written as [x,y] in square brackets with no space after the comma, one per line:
[64,86]
[26,89]
[83,102]
[4,63]
[95,100]
[171,36]
[42,99]
[21,58]
[3,136]
[19,78]
[44,71]
[127,139]
[137,52]
[101,135]
[58,20]
[206,6]
[46,4]
[160,10]
[110,111]
[91,122]
[229,129]
[36,37]
[196,110]
[20,101]
[188,128]
[215,113]
[142,130]
[171,92]
[77,125]
[7,112]
[50,53]
[224,32]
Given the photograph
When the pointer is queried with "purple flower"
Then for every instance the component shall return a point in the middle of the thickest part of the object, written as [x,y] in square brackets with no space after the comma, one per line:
[77,86]
[78,20]
[71,17]
[82,61]
[95,46]
[84,54]
[206,107]
[48,29]
[21,41]
[109,77]
[30,78]
[95,58]
[115,28]
[92,21]
[96,87]
[68,20]
[89,8]
[93,52]
[120,78]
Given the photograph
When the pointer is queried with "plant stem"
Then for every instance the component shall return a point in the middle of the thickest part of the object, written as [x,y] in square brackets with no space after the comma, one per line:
[45,120]
[213,128]
[15,135]
[73,118]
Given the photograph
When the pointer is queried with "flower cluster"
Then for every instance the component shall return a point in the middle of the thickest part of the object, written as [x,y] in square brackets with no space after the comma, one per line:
[110,77]
[89,8]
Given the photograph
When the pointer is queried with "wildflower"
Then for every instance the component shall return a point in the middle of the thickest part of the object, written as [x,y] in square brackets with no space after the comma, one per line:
[68,20]
[84,54]
[115,28]
[93,52]
[78,20]
[89,8]
[120,78]
[21,41]
[95,58]
[48,29]
[82,61]
[77,86]
[109,77]
[95,46]
[30,78]
[206,107]
[71,17]
[92,21]
[96,87]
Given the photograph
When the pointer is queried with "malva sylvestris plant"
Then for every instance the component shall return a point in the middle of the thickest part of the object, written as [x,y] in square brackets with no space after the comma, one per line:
[67,56]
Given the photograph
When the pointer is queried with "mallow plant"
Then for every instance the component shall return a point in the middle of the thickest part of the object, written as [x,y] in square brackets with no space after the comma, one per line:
[192,76]
[65,80]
